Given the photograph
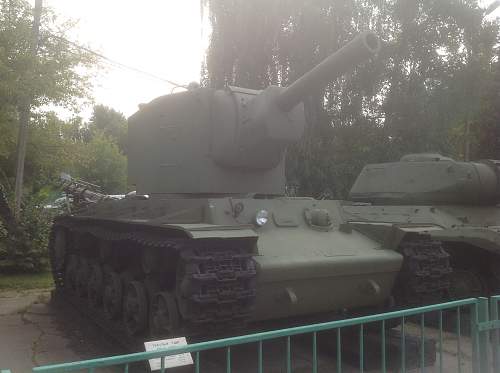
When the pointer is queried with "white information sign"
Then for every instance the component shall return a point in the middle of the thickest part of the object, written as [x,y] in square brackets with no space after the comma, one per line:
[170,361]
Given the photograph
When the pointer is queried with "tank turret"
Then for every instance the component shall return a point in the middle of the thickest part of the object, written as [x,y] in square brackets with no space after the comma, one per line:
[232,141]
[429,179]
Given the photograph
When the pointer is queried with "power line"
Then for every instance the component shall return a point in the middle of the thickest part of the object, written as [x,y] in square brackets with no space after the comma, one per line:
[114,62]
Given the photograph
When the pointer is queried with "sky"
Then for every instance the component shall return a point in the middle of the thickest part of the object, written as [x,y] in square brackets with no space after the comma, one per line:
[162,37]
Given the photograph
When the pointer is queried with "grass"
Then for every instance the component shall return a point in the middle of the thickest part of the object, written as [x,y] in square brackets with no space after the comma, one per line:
[42,280]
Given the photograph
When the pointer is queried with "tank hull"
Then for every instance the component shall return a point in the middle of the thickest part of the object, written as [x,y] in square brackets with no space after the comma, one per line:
[469,234]
[477,225]
[298,268]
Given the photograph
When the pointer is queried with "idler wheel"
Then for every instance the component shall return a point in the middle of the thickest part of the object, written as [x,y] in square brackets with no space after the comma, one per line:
[135,308]
[82,277]
[71,273]
[165,318]
[59,249]
[95,287]
[112,295]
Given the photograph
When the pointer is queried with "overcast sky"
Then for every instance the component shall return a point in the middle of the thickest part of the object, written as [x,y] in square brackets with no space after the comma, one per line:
[162,37]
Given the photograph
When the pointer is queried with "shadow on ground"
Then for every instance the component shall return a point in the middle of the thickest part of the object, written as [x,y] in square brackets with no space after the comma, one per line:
[37,331]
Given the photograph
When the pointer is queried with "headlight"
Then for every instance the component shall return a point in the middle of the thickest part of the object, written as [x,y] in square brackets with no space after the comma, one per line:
[261,217]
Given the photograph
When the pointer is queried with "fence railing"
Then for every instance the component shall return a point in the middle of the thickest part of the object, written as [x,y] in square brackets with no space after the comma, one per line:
[494,323]
[476,308]
[482,323]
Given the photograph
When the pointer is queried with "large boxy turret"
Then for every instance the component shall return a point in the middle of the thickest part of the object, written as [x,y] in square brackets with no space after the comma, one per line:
[231,141]
[422,179]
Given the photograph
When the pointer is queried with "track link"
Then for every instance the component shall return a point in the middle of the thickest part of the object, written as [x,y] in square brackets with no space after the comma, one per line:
[217,287]
[215,279]
[425,276]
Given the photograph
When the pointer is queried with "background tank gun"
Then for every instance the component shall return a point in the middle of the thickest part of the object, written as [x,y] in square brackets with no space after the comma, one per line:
[429,179]
[231,141]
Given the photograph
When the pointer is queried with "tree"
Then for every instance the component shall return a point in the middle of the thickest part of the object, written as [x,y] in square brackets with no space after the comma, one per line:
[59,74]
[62,72]
[410,99]
[111,123]
[485,125]
[101,162]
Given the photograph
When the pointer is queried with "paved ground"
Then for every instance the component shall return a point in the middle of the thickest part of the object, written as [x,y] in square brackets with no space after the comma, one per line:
[34,331]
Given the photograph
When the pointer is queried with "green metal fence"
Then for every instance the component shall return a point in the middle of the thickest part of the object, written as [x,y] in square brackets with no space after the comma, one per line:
[482,317]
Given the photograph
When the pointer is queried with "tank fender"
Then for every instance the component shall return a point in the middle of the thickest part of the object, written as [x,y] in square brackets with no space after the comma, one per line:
[194,231]
[390,235]
[487,238]
[198,231]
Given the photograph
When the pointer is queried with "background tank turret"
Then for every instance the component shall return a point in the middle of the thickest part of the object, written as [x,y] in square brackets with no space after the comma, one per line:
[209,242]
[455,203]
[429,179]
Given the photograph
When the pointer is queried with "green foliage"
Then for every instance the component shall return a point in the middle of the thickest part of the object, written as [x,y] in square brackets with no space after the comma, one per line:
[485,125]
[111,123]
[26,249]
[26,281]
[101,162]
[428,80]
[60,74]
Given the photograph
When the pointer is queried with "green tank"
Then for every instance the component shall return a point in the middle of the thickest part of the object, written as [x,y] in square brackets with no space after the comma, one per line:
[454,203]
[209,241]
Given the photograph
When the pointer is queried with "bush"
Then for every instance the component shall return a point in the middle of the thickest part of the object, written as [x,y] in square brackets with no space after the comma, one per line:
[26,250]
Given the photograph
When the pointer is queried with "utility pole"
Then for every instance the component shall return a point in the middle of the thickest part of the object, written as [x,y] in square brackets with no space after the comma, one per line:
[24,109]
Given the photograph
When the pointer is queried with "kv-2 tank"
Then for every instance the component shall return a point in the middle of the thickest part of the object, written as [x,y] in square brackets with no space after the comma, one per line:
[454,203]
[209,241]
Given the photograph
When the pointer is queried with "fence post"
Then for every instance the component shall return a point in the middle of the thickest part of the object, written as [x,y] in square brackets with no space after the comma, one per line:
[474,335]
[495,341]
[480,341]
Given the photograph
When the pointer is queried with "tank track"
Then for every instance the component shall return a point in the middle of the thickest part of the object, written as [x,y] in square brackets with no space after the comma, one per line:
[216,286]
[425,275]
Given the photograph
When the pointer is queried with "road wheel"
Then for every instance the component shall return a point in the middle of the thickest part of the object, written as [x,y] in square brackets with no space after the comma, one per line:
[135,308]
[95,285]
[71,274]
[59,255]
[112,296]
[165,318]
[82,277]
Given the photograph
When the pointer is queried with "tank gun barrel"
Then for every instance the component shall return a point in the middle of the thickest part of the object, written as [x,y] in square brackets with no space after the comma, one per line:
[346,58]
